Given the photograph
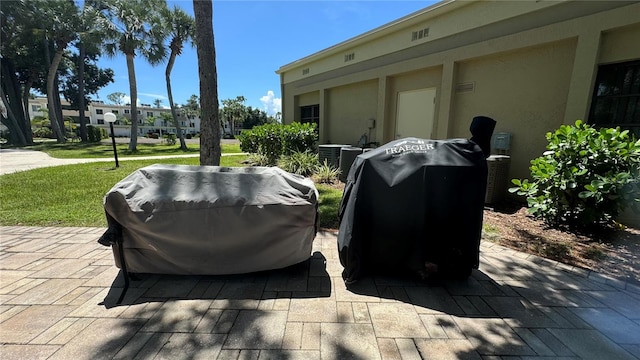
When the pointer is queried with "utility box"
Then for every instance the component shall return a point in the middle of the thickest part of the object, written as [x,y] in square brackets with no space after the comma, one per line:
[502,143]
[347,157]
[330,153]
[497,178]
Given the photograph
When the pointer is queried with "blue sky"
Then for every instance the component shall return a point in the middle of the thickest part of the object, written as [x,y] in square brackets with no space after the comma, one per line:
[253,39]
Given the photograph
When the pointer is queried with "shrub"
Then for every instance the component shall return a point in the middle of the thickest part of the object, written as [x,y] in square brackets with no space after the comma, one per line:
[586,177]
[95,134]
[301,163]
[275,140]
[170,139]
[298,137]
[249,141]
[326,174]
[257,160]
[43,132]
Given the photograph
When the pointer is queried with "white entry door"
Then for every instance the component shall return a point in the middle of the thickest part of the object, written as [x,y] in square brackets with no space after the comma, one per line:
[415,112]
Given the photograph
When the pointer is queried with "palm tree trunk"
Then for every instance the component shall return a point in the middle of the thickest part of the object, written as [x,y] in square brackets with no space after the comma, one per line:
[81,105]
[174,115]
[53,116]
[210,123]
[133,93]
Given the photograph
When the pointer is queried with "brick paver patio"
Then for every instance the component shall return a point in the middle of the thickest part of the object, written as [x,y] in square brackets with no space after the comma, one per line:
[58,289]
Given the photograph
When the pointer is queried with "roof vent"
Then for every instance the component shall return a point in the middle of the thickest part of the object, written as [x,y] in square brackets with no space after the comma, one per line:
[305,71]
[349,57]
[419,34]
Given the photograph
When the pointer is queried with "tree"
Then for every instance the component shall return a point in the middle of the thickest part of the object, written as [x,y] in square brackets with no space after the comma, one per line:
[210,123]
[35,35]
[89,38]
[12,17]
[59,21]
[133,28]
[94,79]
[234,111]
[157,103]
[191,109]
[255,117]
[180,27]
[116,98]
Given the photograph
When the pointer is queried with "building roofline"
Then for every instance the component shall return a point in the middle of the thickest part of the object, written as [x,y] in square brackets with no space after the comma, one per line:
[405,21]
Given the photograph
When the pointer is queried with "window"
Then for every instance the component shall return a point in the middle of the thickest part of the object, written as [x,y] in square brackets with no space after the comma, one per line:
[139,112]
[101,121]
[115,112]
[99,112]
[127,111]
[310,114]
[616,97]
[149,113]
[35,108]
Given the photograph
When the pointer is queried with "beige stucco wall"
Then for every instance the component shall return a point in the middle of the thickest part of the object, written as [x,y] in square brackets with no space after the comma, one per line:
[347,110]
[530,80]
[620,44]
[524,91]
[311,98]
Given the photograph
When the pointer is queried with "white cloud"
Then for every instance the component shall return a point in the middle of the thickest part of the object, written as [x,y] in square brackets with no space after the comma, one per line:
[271,103]
[154,96]
[127,100]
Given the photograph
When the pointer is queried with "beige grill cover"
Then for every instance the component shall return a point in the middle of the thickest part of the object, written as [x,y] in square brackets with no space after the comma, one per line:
[209,220]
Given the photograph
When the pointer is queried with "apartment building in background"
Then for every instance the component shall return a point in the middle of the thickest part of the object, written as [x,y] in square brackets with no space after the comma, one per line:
[150,119]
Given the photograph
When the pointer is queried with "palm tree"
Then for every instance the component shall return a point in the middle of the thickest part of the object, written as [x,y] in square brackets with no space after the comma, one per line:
[89,39]
[210,122]
[134,28]
[180,27]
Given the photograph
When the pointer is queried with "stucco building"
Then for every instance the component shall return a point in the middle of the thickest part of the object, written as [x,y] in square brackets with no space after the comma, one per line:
[530,65]
[150,119]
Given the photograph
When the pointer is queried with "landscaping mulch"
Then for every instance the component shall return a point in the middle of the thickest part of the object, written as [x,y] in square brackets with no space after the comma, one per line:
[613,252]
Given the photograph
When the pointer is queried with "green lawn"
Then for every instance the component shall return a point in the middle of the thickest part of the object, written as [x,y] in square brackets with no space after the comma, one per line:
[105,150]
[72,195]
[329,205]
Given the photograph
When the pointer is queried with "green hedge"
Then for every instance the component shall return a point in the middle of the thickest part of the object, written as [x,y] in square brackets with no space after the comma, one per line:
[275,140]
[95,134]
[586,178]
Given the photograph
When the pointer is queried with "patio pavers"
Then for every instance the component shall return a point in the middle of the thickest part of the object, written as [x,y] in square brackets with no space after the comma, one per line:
[58,289]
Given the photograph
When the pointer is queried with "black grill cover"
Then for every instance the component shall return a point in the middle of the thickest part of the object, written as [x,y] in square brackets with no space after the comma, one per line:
[413,201]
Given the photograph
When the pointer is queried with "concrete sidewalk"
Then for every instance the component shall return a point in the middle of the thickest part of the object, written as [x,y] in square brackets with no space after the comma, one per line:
[58,289]
[15,160]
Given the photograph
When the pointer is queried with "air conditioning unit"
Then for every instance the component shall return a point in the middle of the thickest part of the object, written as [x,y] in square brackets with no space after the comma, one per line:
[331,153]
[497,178]
[347,157]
